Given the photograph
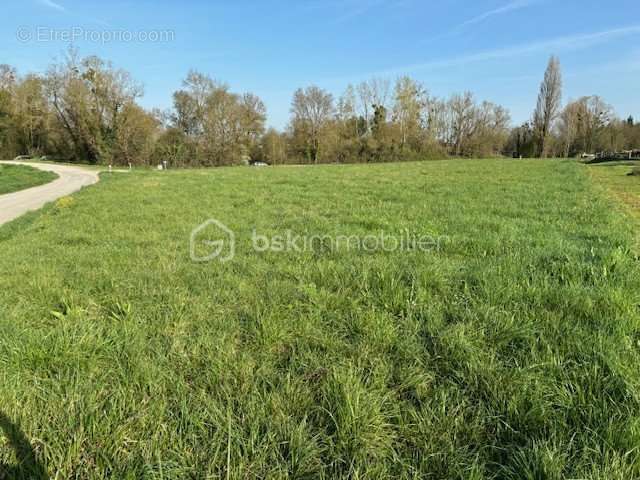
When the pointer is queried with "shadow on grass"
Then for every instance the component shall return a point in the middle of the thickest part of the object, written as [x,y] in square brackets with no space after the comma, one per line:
[27,466]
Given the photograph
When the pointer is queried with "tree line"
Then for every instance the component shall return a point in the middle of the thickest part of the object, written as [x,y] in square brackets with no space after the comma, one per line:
[583,126]
[86,110]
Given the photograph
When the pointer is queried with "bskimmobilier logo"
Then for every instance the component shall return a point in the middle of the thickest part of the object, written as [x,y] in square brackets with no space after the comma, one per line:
[212,240]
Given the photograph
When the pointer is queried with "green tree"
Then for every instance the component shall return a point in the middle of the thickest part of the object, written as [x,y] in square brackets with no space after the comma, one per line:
[311,109]
[410,102]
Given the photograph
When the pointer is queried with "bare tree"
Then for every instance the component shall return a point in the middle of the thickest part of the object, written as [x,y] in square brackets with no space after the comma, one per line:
[594,115]
[347,104]
[373,95]
[569,126]
[549,103]
[462,115]
[365,99]
[380,91]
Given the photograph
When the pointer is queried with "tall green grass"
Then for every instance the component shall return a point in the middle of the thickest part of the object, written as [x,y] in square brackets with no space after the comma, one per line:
[512,352]
[19,177]
[622,182]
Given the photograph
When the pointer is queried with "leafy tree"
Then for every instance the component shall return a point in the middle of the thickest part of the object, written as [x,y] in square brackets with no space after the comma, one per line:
[174,146]
[88,96]
[410,101]
[274,147]
[8,78]
[521,141]
[312,109]
[222,127]
[32,115]
[135,136]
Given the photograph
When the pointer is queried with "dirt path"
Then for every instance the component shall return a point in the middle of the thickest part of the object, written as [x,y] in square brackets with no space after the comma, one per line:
[71,179]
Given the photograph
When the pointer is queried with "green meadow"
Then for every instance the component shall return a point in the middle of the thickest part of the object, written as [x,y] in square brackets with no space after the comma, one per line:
[19,177]
[622,181]
[511,350]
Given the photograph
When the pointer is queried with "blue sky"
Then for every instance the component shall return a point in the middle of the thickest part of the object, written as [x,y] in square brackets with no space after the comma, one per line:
[497,49]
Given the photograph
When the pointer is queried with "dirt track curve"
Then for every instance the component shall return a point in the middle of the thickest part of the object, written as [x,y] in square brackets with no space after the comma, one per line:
[70,179]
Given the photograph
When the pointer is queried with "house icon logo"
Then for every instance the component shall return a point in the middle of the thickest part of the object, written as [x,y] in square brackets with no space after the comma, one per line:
[212,240]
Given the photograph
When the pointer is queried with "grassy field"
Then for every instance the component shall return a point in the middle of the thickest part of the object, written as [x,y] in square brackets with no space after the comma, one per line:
[18,177]
[511,352]
[618,181]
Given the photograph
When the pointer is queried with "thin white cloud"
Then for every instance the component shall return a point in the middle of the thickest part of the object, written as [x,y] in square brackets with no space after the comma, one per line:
[512,6]
[53,5]
[509,7]
[60,8]
[556,45]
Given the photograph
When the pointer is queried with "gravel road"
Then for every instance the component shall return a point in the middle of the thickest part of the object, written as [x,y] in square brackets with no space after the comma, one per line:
[71,179]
